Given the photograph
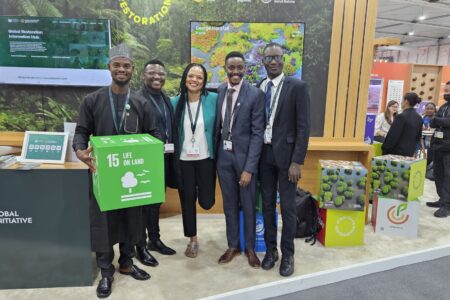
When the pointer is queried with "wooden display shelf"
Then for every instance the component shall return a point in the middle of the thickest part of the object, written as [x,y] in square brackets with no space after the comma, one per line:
[11,138]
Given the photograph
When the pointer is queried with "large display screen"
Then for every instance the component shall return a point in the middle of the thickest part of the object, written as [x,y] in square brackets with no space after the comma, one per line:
[54,51]
[212,41]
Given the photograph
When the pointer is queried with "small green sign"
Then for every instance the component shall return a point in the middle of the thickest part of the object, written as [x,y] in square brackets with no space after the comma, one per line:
[44,147]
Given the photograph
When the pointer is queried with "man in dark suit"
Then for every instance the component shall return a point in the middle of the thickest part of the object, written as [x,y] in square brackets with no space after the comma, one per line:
[286,138]
[239,127]
[154,78]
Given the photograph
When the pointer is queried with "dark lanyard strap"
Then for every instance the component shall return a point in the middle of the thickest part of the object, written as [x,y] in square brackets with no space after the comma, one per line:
[233,110]
[113,110]
[274,99]
[194,124]
[444,113]
[160,112]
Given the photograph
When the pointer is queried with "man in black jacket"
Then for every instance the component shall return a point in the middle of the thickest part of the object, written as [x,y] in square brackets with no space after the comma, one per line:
[286,139]
[441,160]
[154,78]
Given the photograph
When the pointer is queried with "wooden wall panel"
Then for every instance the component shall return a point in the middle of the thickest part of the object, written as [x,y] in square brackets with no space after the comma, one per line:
[366,67]
[333,69]
[344,68]
[349,69]
[355,71]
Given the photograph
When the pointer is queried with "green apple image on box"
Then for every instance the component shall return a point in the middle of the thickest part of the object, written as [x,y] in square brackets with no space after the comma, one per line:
[398,177]
[130,170]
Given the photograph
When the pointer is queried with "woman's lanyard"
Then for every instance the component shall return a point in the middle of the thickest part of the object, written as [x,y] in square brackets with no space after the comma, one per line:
[194,124]
[113,110]
[273,100]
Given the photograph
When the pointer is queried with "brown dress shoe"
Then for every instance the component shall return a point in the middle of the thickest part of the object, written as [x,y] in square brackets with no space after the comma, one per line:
[253,260]
[229,255]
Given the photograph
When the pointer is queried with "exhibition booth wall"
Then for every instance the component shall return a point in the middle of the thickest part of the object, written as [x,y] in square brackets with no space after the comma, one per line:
[428,81]
[336,60]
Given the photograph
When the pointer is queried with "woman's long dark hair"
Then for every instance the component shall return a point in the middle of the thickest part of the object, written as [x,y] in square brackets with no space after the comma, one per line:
[387,112]
[183,92]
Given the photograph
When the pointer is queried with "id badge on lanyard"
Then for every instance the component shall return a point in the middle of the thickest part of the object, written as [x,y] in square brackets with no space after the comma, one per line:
[268,135]
[169,148]
[227,145]
[438,134]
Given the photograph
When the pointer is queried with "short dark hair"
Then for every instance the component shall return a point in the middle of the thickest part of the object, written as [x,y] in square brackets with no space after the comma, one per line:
[272,44]
[448,82]
[234,54]
[154,62]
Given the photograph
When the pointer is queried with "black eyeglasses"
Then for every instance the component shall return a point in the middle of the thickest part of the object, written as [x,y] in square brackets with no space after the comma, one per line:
[267,59]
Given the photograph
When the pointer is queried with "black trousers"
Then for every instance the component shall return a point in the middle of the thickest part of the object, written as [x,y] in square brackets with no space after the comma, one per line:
[199,181]
[150,213]
[104,259]
[272,176]
[441,166]
[151,223]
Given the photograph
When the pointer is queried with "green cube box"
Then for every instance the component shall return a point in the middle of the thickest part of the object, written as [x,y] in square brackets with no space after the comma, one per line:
[342,185]
[130,171]
[398,177]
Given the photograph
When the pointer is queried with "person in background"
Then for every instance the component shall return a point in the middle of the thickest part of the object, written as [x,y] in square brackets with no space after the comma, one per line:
[406,130]
[430,111]
[113,110]
[153,78]
[285,145]
[239,141]
[384,120]
[441,156]
[195,116]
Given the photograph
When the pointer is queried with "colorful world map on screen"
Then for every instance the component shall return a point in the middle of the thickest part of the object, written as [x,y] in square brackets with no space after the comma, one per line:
[211,41]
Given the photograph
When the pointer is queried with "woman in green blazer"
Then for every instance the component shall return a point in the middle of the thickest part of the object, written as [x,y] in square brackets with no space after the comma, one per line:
[195,115]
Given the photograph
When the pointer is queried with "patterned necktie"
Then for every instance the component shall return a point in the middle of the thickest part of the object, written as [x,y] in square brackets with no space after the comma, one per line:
[227,118]
[268,98]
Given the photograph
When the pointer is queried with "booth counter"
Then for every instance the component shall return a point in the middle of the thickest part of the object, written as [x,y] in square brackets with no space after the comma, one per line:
[44,227]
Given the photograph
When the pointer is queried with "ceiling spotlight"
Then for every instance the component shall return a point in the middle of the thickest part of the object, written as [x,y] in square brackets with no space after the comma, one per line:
[411,33]
[422,17]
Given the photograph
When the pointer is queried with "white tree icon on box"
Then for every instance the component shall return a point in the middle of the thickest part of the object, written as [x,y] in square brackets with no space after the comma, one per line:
[129,181]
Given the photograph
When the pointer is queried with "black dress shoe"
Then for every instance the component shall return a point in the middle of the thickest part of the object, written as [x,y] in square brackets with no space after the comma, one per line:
[144,256]
[269,259]
[435,204]
[136,273]
[104,287]
[287,265]
[442,212]
[159,246]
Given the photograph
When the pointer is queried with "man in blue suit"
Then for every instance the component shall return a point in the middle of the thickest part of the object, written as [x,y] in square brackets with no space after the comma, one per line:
[239,140]
[285,143]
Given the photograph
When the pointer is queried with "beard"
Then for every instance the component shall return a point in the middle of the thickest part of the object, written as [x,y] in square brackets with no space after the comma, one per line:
[121,83]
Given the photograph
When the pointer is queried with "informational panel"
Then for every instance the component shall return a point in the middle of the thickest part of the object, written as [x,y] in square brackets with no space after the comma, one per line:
[375,95]
[211,41]
[370,128]
[54,51]
[44,147]
[395,91]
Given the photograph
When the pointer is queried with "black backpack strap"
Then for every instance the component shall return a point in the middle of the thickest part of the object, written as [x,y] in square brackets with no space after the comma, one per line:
[317,222]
